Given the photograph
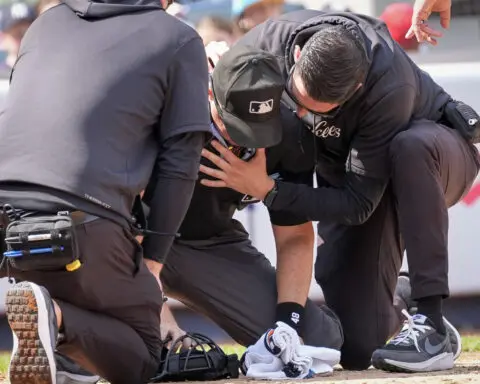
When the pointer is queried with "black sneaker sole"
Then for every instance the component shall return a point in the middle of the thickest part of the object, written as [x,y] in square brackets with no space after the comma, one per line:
[32,359]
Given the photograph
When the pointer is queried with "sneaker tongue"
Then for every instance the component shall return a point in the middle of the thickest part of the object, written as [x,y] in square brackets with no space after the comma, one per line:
[424,320]
[420,319]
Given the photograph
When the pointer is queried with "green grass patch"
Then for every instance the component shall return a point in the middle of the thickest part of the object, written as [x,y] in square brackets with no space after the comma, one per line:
[4,361]
[471,343]
[234,349]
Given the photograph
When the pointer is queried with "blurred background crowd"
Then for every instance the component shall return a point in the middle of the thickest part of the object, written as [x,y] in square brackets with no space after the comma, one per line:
[227,20]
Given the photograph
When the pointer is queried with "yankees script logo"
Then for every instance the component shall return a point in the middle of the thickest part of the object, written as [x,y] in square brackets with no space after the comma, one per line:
[324,130]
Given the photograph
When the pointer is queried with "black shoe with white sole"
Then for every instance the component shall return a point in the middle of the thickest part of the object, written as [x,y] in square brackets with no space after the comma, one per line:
[31,316]
[403,291]
[417,348]
[68,372]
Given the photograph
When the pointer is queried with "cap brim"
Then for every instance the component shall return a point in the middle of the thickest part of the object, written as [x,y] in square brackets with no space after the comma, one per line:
[263,134]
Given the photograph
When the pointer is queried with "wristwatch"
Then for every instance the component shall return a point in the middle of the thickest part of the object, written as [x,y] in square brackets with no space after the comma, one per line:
[271,195]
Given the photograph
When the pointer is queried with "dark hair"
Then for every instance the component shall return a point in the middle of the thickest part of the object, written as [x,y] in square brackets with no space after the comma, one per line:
[332,65]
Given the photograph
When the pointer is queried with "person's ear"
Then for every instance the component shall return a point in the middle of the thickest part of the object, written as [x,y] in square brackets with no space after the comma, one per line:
[297,52]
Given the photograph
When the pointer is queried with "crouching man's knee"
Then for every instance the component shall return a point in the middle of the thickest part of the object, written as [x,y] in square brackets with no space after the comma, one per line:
[356,359]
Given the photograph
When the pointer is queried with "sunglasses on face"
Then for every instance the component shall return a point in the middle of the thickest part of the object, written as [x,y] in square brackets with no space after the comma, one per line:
[328,115]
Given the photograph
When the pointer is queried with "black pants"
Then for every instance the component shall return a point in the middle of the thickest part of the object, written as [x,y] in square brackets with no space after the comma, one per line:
[110,313]
[357,266]
[228,280]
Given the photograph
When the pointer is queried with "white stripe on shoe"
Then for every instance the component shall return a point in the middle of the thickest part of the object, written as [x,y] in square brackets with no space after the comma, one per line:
[441,362]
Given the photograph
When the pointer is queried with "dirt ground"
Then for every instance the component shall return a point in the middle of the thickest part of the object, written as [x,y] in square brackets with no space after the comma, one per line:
[467,371]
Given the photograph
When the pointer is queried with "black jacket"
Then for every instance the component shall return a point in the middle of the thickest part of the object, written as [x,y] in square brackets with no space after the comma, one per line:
[352,149]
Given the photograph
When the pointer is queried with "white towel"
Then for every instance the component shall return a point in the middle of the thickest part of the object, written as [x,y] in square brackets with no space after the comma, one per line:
[279,354]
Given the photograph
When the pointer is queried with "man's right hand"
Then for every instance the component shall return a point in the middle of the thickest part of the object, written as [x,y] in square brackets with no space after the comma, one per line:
[170,330]
[422,10]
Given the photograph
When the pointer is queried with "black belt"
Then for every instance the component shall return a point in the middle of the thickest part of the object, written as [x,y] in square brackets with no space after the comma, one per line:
[80,217]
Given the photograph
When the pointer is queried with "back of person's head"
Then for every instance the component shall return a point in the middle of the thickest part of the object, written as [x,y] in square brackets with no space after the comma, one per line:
[45,5]
[212,28]
[249,13]
[332,65]
[398,18]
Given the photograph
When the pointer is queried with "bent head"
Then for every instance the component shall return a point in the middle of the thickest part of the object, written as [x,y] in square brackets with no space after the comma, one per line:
[245,93]
[328,70]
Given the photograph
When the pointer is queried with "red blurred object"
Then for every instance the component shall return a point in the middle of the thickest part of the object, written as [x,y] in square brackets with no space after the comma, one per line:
[473,195]
[398,17]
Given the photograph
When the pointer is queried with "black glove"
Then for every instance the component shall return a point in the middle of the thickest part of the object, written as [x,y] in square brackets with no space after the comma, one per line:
[204,361]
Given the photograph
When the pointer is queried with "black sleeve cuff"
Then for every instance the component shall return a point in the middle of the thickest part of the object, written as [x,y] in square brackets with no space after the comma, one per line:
[284,196]
[292,314]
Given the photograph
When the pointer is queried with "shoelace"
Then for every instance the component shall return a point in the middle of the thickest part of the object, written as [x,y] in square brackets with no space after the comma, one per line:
[410,331]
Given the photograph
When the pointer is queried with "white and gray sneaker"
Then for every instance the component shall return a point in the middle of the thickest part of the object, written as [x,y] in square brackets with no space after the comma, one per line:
[403,291]
[31,316]
[68,372]
[417,348]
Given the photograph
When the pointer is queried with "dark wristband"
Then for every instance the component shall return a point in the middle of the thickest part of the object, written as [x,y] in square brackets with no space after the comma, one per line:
[292,314]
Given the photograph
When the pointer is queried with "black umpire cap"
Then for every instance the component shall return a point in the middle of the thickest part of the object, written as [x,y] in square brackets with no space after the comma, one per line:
[247,85]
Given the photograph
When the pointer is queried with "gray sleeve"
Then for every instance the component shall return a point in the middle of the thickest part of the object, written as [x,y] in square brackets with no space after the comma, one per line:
[186,106]
[170,190]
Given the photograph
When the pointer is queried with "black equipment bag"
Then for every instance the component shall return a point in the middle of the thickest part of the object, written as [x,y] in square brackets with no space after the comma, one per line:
[464,119]
[42,243]
[204,361]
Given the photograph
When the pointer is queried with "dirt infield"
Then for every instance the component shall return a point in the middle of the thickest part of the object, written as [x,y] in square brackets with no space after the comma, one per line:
[467,371]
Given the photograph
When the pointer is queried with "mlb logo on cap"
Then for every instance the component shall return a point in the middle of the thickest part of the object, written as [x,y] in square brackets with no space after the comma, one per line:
[260,107]
[247,85]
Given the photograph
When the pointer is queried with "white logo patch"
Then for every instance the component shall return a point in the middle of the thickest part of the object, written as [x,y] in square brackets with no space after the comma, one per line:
[261,107]
[324,130]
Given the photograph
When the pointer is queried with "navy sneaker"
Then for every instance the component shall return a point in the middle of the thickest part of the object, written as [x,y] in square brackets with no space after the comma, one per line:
[455,338]
[417,348]
[68,372]
[403,291]
[31,316]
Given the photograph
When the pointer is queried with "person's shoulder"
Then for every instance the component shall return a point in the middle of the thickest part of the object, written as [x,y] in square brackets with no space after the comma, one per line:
[390,75]
[178,32]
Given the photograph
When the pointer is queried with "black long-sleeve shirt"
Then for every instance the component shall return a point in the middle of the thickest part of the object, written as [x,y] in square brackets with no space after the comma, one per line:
[170,190]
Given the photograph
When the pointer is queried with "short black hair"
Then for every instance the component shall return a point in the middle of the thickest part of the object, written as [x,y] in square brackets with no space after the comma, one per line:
[332,64]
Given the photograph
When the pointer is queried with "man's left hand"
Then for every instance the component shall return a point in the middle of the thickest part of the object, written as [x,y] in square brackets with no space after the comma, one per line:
[247,177]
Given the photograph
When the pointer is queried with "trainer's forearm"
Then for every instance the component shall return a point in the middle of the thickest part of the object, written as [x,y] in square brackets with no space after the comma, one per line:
[294,266]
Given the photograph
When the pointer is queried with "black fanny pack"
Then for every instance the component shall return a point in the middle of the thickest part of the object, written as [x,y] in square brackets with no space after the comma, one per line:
[464,119]
[40,243]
